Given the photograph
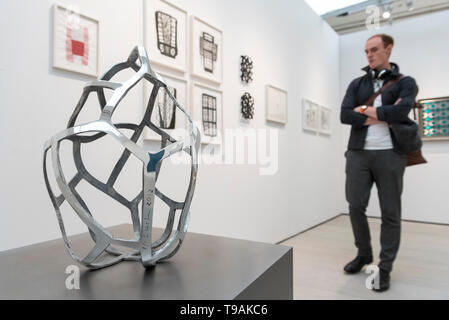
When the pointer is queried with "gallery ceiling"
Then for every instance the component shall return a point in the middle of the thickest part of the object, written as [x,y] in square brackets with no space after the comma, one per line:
[354,17]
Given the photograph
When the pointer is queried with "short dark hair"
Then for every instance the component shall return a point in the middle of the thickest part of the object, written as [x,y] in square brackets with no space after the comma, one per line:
[386,39]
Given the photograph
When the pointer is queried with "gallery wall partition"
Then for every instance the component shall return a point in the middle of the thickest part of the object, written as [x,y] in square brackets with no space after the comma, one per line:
[422,55]
[240,201]
[269,190]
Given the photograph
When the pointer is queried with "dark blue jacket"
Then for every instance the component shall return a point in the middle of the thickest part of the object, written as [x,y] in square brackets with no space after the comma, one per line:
[361,89]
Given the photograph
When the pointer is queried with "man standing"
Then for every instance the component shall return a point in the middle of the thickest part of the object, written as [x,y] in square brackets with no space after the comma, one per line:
[373,155]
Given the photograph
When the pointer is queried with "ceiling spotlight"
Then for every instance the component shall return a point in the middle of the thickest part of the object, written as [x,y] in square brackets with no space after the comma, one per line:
[387,13]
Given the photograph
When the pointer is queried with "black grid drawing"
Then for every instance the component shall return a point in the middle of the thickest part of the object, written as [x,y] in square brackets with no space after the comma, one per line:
[208,50]
[167,34]
[209,105]
[166,109]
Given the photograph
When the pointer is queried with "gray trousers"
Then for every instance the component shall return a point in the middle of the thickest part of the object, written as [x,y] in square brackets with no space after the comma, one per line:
[385,168]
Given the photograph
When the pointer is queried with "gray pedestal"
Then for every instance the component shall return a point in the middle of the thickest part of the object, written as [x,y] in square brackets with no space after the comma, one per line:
[206,267]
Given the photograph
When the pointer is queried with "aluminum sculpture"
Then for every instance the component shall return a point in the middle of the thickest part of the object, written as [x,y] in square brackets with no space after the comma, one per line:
[140,247]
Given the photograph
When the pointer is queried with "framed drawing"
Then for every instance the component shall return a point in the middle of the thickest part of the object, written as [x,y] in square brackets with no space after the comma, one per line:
[75,41]
[207,51]
[165,33]
[434,118]
[325,120]
[276,104]
[165,115]
[207,110]
[310,120]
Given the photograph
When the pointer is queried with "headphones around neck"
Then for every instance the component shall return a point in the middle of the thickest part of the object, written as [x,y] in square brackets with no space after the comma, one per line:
[375,74]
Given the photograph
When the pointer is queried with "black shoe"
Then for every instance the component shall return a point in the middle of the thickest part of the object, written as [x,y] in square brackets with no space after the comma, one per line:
[384,281]
[357,264]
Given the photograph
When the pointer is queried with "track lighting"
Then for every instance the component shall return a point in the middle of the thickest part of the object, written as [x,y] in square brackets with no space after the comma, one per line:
[409,4]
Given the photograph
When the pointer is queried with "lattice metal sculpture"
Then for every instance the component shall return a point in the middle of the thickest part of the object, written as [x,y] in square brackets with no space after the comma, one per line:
[140,248]
[247,106]
[246,67]
[167,34]
[208,49]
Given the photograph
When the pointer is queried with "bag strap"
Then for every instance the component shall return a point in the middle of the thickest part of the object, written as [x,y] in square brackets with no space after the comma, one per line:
[381,90]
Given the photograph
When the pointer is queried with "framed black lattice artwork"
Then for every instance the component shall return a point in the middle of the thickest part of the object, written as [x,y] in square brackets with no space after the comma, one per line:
[165,115]
[166,110]
[434,118]
[206,51]
[207,112]
[165,32]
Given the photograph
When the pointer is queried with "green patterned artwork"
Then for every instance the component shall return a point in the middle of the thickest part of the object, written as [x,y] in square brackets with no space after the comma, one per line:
[434,118]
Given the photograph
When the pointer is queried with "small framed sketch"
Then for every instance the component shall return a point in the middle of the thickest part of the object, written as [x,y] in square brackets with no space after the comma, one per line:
[207,51]
[166,116]
[310,115]
[207,110]
[276,104]
[165,34]
[75,41]
[325,120]
[434,118]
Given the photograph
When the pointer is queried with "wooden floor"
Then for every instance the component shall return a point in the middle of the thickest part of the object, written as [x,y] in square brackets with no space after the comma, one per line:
[421,269]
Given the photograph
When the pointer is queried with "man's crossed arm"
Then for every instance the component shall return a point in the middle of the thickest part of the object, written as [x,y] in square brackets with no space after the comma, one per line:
[371,113]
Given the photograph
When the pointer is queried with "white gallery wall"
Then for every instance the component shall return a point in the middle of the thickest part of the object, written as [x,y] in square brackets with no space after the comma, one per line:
[420,50]
[292,48]
[37,103]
